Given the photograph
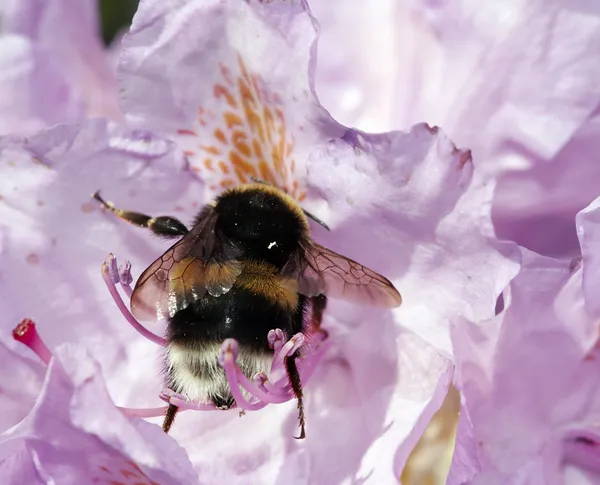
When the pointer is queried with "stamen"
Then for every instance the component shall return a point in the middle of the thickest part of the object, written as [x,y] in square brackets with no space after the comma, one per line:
[125,278]
[111,276]
[313,353]
[275,396]
[26,333]
[278,370]
[128,290]
[260,380]
[306,365]
[276,339]
[281,389]
[229,353]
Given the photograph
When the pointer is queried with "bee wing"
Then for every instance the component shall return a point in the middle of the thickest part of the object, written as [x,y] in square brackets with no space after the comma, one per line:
[324,271]
[200,262]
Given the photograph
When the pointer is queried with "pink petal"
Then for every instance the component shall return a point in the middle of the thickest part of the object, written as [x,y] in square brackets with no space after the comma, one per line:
[527,80]
[527,377]
[20,383]
[218,79]
[65,36]
[406,204]
[78,436]
[355,80]
[465,460]
[588,229]
[55,236]
[399,394]
[17,465]
[514,81]
[427,218]
[544,199]
[33,90]
[464,69]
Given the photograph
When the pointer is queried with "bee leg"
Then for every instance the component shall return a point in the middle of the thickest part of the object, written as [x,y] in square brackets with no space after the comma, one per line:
[161,226]
[319,303]
[294,376]
[169,417]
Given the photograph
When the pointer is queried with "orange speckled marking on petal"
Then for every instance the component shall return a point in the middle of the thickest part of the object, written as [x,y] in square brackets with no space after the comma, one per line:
[219,135]
[265,171]
[120,472]
[226,74]
[224,167]
[239,162]
[257,150]
[220,90]
[32,259]
[211,149]
[245,122]
[187,132]
[87,207]
[239,142]
[129,474]
[231,120]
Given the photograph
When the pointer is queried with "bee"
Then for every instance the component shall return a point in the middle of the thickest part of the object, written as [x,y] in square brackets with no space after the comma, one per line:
[246,266]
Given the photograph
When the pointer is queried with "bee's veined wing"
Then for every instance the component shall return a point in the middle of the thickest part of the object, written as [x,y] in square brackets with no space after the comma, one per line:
[198,263]
[323,271]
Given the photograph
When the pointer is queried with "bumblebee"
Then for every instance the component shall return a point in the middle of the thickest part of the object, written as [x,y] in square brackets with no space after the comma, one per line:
[247,265]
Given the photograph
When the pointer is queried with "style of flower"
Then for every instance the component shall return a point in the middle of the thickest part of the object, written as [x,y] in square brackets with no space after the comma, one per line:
[215,93]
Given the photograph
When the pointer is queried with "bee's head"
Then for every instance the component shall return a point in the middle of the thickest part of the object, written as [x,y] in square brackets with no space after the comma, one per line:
[266,222]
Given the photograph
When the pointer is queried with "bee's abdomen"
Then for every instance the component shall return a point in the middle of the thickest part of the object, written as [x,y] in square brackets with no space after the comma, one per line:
[261,300]
[194,371]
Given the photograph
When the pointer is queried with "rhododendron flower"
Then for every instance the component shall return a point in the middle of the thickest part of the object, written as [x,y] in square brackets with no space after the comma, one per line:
[215,93]
[529,377]
[515,81]
[53,67]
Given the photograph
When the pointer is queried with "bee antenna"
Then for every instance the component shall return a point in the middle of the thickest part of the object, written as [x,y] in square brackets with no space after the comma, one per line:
[316,219]
[259,181]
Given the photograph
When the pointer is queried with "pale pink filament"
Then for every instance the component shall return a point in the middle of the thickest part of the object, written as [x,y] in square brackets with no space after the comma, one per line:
[110,275]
